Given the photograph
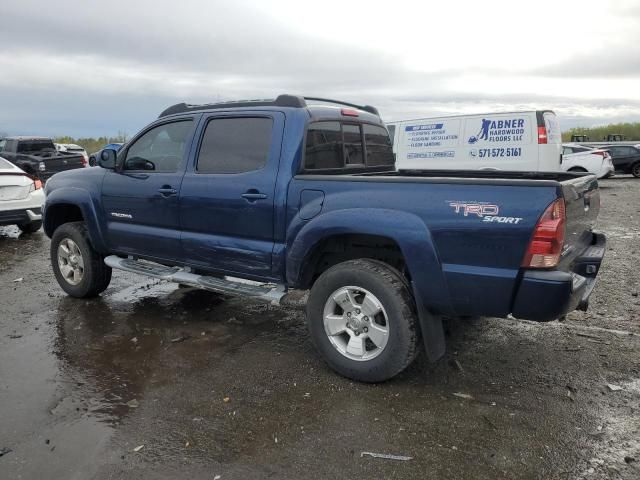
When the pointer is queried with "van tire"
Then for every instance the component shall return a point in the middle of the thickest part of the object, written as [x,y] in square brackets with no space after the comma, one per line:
[385,288]
[94,276]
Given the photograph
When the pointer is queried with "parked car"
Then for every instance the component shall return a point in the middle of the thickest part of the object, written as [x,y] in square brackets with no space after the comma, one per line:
[94,156]
[524,141]
[38,156]
[576,158]
[21,198]
[626,158]
[303,193]
[72,148]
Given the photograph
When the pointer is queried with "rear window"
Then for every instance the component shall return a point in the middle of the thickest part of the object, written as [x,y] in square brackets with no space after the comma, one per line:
[35,146]
[335,145]
[379,148]
[4,165]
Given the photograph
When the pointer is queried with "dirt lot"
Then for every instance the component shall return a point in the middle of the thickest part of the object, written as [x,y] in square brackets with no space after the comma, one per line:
[208,389]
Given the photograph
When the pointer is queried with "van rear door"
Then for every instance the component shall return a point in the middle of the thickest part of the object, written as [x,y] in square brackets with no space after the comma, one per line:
[549,141]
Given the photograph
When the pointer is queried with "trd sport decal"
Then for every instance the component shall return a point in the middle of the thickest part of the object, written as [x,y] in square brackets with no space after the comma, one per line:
[488,212]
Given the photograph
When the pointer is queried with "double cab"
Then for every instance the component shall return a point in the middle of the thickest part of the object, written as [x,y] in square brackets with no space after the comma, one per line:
[256,198]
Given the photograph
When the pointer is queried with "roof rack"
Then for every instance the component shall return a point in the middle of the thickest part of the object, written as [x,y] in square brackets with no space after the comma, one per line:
[293,101]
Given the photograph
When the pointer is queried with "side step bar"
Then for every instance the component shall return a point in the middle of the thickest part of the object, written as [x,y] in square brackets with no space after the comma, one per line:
[267,292]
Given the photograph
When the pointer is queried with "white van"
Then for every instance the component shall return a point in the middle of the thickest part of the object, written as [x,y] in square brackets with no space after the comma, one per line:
[525,141]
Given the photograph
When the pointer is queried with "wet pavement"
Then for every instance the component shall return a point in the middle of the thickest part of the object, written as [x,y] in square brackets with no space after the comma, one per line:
[211,386]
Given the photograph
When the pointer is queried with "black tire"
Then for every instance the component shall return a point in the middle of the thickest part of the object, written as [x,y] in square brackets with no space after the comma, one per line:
[385,283]
[635,170]
[31,227]
[96,275]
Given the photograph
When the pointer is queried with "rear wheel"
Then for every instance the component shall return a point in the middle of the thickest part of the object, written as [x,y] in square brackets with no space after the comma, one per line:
[577,169]
[78,268]
[362,320]
[30,227]
[635,169]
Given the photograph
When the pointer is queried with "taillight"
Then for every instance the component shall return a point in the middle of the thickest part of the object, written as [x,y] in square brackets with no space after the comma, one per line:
[542,135]
[546,243]
[85,161]
[348,112]
[36,185]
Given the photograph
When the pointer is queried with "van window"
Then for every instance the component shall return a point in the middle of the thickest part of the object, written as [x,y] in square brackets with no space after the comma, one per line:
[324,146]
[379,147]
[554,135]
[235,145]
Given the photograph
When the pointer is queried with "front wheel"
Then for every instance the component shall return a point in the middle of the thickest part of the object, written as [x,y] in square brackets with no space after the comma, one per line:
[362,320]
[78,268]
[635,169]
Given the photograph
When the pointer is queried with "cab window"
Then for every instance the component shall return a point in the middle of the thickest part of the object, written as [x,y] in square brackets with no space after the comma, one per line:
[161,149]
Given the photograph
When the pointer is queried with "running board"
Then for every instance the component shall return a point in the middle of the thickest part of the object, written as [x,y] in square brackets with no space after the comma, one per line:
[268,292]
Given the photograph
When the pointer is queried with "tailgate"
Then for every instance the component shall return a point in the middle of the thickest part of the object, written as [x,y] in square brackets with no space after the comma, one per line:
[61,163]
[582,204]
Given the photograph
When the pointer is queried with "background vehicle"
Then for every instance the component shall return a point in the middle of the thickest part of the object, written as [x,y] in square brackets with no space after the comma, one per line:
[626,158]
[302,193]
[577,158]
[73,149]
[517,141]
[38,156]
[21,198]
[94,156]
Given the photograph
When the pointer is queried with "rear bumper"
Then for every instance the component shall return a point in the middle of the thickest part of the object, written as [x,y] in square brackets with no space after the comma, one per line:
[20,217]
[545,295]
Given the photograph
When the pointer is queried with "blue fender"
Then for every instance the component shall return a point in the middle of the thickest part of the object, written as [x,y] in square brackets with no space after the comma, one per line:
[83,200]
[416,244]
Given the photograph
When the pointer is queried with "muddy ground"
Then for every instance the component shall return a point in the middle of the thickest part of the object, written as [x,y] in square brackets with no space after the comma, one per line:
[208,389]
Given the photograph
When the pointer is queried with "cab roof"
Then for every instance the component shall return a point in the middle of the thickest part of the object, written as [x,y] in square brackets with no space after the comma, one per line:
[318,108]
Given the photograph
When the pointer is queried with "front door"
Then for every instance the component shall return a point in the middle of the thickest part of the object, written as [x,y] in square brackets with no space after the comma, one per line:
[227,195]
[141,197]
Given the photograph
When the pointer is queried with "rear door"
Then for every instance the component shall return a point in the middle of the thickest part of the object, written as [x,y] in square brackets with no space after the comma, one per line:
[227,196]
[623,156]
[140,198]
[549,139]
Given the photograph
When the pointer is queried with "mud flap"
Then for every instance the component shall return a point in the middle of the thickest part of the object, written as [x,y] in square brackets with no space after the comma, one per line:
[431,328]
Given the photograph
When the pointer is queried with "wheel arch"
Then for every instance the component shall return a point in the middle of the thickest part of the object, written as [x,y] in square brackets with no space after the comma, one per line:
[72,205]
[402,230]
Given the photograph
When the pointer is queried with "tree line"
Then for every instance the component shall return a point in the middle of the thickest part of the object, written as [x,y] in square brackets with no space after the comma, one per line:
[631,131]
[91,144]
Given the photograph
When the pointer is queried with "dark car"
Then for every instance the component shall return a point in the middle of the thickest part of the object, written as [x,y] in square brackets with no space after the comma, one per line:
[38,156]
[93,158]
[626,158]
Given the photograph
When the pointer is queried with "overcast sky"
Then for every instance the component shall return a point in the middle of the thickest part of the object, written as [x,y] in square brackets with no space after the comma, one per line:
[86,69]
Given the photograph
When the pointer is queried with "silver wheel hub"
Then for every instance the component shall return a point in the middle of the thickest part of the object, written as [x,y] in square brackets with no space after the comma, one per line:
[356,323]
[70,261]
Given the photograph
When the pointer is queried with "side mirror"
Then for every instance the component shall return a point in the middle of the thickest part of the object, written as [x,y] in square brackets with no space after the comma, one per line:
[107,159]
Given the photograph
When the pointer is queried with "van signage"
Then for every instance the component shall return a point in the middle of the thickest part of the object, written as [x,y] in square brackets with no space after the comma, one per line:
[420,136]
[503,130]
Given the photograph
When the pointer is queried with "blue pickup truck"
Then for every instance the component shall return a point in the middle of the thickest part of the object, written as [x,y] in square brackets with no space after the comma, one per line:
[258,197]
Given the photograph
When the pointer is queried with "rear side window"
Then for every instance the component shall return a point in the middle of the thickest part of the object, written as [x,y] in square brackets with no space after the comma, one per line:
[324,146]
[2,144]
[235,145]
[332,145]
[352,138]
[379,148]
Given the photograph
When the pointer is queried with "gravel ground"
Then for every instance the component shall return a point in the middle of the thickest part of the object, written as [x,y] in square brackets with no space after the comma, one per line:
[150,381]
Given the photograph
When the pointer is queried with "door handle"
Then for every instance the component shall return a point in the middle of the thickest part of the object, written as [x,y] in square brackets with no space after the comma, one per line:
[253,195]
[167,191]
